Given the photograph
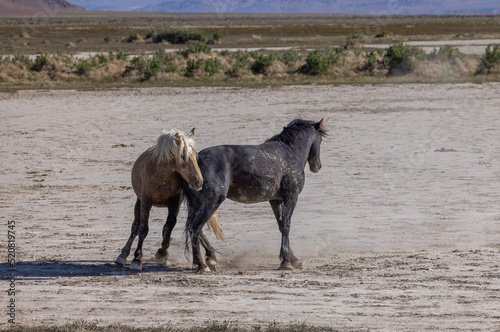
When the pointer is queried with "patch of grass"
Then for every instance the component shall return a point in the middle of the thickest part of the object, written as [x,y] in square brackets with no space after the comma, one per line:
[209,326]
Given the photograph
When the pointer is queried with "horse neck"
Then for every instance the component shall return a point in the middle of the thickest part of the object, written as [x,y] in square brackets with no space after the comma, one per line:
[301,147]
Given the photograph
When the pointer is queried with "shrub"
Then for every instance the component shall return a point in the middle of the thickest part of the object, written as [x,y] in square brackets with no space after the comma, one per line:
[371,60]
[156,66]
[162,55]
[179,36]
[107,39]
[262,63]
[22,60]
[447,53]
[319,61]
[195,47]
[239,67]
[83,68]
[402,59]
[132,38]
[490,59]
[151,34]
[383,34]
[153,68]
[290,55]
[216,37]
[212,66]
[39,63]
[193,66]
[118,55]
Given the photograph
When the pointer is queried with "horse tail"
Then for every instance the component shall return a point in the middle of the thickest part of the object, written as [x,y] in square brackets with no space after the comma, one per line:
[215,227]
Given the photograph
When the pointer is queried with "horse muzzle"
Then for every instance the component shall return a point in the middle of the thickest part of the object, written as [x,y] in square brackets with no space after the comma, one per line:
[196,184]
[315,168]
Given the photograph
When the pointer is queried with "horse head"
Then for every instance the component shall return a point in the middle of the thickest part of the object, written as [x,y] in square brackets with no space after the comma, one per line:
[314,159]
[187,164]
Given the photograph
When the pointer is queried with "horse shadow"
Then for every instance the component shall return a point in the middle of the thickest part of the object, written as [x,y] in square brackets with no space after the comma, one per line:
[40,270]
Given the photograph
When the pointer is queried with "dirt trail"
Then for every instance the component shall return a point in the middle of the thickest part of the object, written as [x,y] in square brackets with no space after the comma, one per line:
[398,231]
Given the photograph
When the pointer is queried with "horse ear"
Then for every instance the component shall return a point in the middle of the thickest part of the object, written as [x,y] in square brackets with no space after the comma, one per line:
[191,133]
[319,125]
[177,138]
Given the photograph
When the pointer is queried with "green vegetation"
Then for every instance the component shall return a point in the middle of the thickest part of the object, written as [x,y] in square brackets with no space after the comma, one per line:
[262,63]
[447,53]
[161,50]
[195,47]
[403,59]
[320,61]
[132,38]
[290,66]
[102,30]
[490,62]
[178,36]
[209,326]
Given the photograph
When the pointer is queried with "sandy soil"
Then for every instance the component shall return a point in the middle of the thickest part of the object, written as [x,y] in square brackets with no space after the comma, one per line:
[398,231]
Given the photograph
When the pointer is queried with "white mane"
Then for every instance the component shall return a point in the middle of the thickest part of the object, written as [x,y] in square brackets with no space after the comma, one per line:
[168,150]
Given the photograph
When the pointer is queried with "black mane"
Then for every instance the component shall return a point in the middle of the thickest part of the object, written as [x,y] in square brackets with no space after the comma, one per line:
[292,132]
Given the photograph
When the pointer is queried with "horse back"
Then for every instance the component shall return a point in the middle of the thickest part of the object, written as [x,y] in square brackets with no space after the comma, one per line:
[251,173]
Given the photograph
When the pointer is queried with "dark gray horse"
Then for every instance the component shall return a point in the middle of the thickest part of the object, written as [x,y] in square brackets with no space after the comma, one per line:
[272,171]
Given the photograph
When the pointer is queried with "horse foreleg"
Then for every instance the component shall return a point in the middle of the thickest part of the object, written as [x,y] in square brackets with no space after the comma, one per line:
[283,212]
[173,211]
[122,258]
[143,232]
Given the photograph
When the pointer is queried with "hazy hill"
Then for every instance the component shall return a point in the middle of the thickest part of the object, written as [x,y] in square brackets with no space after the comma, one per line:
[36,7]
[386,7]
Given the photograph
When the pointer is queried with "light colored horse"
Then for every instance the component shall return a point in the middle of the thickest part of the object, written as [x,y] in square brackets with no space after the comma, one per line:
[156,179]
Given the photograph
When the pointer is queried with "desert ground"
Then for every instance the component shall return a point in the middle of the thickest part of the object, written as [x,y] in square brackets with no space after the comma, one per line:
[398,231]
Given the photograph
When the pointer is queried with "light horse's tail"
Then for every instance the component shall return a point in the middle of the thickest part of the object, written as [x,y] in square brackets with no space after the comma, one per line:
[215,227]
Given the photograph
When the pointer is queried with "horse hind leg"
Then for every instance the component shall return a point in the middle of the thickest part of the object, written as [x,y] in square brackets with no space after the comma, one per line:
[122,258]
[211,259]
[173,210]
[145,207]
[197,217]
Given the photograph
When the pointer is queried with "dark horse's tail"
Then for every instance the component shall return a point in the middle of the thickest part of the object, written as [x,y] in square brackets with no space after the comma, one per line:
[213,223]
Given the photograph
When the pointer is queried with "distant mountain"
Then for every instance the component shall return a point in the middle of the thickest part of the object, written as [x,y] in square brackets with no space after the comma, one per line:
[38,7]
[376,7]
[114,5]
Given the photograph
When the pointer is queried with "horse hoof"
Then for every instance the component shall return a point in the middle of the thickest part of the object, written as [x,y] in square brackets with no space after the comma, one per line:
[163,261]
[203,269]
[121,261]
[212,264]
[286,266]
[136,266]
[297,265]
[166,263]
